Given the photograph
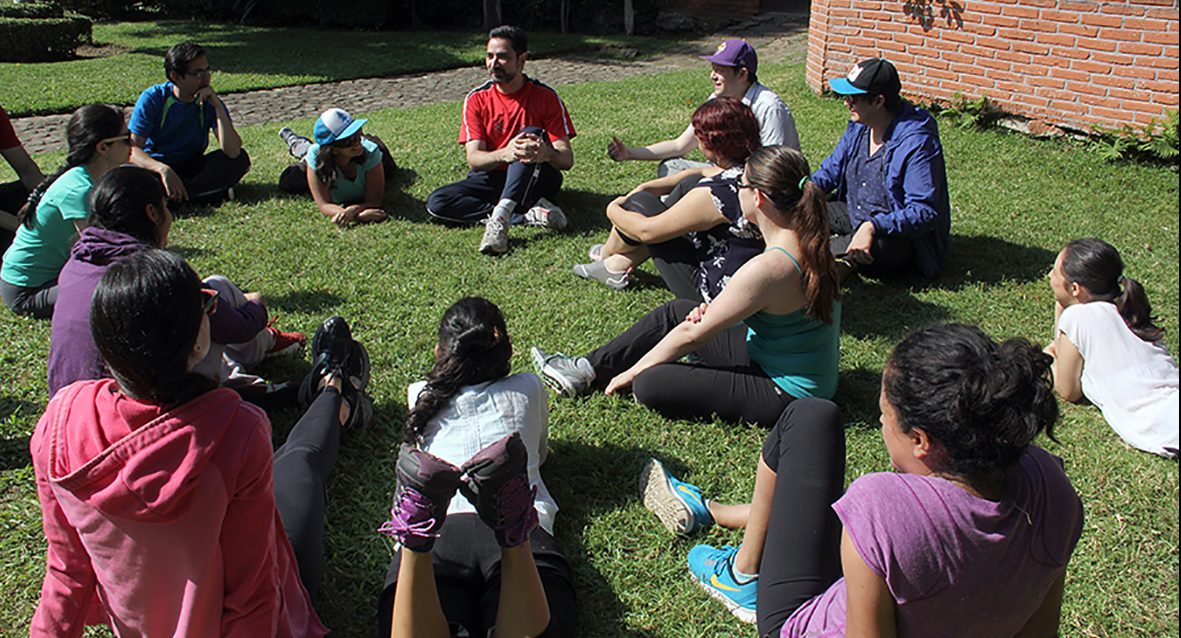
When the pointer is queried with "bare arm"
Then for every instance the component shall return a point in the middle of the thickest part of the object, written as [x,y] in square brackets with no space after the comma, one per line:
[26,169]
[481,159]
[173,186]
[748,292]
[227,136]
[869,605]
[374,187]
[665,185]
[322,194]
[8,221]
[676,147]
[1067,368]
[1044,622]
[694,211]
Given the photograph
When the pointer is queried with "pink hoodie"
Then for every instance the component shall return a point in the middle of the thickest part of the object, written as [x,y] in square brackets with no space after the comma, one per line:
[162,523]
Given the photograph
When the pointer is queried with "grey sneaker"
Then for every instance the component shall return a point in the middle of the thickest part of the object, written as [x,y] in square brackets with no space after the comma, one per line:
[568,376]
[547,215]
[495,241]
[297,144]
[595,253]
[597,271]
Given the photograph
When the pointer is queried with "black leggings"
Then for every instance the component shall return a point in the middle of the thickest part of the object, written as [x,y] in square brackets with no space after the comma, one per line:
[677,259]
[302,466]
[723,380]
[802,556]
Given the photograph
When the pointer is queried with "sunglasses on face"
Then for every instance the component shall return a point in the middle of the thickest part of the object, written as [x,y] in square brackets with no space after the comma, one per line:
[124,138]
[208,300]
[348,142]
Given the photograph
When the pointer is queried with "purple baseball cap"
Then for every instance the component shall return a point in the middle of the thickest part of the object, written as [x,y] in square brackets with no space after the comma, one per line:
[737,53]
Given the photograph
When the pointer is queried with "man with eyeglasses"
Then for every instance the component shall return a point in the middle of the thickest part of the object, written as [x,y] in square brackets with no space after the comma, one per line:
[891,214]
[170,131]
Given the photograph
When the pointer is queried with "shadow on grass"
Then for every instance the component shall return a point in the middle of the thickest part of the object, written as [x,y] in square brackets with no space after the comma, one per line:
[858,395]
[309,301]
[981,259]
[885,309]
[586,482]
[585,209]
[14,453]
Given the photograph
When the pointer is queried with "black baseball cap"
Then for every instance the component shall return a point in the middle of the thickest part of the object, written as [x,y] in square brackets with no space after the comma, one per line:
[875,75]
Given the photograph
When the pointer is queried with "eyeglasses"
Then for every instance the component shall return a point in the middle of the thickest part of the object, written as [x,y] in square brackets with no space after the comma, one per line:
[125,138]
[200,73]
[747,186]
[348,142]
[209,303]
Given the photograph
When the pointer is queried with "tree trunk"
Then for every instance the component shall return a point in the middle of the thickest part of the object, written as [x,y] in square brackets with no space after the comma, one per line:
[491,14]
[629,17]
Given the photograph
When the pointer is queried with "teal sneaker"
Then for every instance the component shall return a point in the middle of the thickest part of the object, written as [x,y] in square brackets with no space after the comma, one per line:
[678,505]
[712,568]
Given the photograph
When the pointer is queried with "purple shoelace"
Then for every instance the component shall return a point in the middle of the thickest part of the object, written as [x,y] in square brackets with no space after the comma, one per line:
[412,517]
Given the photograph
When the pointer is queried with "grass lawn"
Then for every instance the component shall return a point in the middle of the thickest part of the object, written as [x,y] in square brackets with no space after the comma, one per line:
[1016,202]
[247,58]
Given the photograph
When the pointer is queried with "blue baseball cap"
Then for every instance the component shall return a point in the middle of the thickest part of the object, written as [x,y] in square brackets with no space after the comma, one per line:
[875,75]
[335,124]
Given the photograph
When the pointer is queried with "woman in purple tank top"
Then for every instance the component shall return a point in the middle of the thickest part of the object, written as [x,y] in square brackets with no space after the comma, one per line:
[973,529]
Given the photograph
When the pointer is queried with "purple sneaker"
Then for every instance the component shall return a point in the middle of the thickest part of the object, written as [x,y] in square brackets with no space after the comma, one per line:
[425,486]
[495,481]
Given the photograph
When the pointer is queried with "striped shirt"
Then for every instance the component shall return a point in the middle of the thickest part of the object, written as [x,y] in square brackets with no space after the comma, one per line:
[495,118]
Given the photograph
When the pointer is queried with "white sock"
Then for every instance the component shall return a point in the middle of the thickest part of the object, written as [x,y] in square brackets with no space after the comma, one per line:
[741,578]
[504,211]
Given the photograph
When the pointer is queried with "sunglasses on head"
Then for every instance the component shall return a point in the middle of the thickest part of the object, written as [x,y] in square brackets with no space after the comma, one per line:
[208,300]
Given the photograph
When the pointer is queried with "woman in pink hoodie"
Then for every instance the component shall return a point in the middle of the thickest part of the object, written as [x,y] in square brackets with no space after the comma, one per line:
[165,510]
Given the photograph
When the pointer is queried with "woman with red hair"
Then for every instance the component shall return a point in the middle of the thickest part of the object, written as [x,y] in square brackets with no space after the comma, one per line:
[696,235]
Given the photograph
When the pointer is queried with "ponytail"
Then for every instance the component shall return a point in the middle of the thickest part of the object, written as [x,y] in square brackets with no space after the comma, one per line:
[473,348]
[87,127]
[782,174]
[1096,265]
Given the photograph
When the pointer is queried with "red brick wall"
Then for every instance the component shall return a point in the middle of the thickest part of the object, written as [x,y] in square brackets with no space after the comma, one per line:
[1072,63]
[713,8]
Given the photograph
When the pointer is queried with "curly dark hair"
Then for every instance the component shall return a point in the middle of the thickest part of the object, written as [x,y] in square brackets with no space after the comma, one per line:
[981,401]
[728,128]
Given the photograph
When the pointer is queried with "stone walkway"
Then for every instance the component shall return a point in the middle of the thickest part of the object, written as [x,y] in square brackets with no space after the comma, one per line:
[777,37]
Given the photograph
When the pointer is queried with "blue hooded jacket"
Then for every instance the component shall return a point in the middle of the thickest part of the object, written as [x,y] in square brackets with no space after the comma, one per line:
[916,184]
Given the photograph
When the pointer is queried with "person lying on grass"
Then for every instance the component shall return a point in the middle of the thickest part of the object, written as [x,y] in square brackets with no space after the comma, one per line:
[163,503]
[696,235]
[1107,348]
[483,559]
[772,336]
[344,170]
[973,531]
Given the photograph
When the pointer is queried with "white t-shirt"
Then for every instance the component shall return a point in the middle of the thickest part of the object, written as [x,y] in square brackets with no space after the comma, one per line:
[776,124]
[482,414]
[1133,382]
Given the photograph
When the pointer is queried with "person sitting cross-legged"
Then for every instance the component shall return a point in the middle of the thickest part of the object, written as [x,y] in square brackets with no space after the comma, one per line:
[516,134]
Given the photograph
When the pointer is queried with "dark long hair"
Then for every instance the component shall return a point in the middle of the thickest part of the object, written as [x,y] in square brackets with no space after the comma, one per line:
[983,402]
[145,317]
[727,127]
[779,172]
[121,199]
[87,127]
[326,164]
[474,347]
[1096,265]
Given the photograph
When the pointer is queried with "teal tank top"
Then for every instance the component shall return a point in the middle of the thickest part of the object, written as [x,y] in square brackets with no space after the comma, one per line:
[800,354]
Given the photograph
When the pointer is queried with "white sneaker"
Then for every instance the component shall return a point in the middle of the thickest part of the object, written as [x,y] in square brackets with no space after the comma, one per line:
[547,215]
[495,241]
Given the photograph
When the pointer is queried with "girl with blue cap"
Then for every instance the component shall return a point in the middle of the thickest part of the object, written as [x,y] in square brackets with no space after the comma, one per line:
[343,170]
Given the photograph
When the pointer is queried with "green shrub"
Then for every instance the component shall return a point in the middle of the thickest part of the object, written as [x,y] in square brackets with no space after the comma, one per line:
[31,10]
[40,40]
[1155,142]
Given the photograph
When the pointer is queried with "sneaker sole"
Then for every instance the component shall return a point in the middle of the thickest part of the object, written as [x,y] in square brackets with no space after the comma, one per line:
[741,613]
[657,492]
[614,281]
[553,383]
